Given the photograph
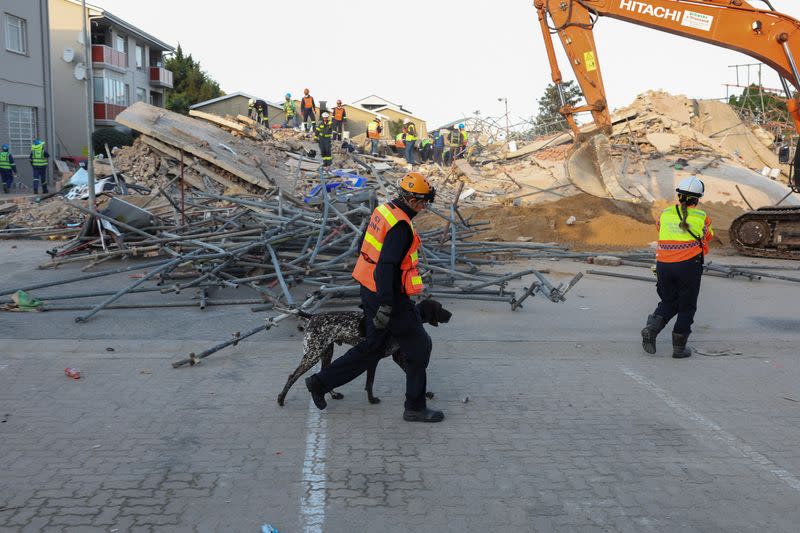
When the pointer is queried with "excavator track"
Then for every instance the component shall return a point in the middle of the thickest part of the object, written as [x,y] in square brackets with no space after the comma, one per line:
[772,232]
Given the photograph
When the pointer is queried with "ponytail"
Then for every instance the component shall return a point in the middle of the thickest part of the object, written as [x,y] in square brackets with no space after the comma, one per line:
[684,225]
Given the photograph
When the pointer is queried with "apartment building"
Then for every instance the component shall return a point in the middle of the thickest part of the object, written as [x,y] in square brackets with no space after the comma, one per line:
[26,111]
[127,64]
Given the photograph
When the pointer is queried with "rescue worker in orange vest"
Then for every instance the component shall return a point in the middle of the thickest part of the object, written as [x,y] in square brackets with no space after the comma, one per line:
[387,271]
[683,236]
[374,130]
[308,107]
[339,118]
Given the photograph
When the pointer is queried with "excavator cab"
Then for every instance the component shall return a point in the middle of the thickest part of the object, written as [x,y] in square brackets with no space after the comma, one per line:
[794,170]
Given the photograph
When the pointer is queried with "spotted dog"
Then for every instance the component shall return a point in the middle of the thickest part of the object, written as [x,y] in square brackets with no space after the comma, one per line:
[323,330]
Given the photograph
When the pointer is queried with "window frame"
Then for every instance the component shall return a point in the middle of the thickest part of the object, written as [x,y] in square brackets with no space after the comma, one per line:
[15,140]
[137,55]
[23,33]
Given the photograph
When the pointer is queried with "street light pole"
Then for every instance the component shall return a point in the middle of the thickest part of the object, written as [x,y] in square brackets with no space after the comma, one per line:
[87,57]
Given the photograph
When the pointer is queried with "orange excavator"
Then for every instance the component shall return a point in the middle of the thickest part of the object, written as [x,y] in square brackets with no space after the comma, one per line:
[762,33]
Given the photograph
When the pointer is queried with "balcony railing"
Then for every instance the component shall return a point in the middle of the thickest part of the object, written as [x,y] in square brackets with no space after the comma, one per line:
[160,77]
[107,112]
[105,56]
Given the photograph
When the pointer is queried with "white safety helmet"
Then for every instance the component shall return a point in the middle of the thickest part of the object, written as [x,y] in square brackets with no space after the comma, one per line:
[251,102]
[406,121]
[691,186]
[325,114]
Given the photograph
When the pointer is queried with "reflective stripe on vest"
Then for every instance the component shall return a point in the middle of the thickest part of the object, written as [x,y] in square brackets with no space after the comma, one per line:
[384,218]
[288,107]
[676,244]
[338,113]
[411,132]
[308,102]
[372,130]
[38,159]
[5,161]
[398,141]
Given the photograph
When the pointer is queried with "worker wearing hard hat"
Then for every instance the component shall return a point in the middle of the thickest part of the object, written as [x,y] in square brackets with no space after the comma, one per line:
[258,111]
[409,139]
[387,271]
[323,134]
[8,168]
[290,112]
[39,161]
[339,118]
[459,140]
[438,147]
[374,130]
[684,232]
[308,107]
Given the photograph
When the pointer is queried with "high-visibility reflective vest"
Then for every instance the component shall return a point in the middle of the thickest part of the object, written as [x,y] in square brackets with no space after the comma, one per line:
[374,130]
[288,108]
[676,244]
[425,142]
[338,113]
[324,130]
[384,218]
[5,161]
[308,102]
[411,132]
[398,141]
[37,155]
[464,137]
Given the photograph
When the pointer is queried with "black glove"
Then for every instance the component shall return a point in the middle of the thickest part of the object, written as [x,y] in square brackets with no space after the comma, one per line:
[381,319]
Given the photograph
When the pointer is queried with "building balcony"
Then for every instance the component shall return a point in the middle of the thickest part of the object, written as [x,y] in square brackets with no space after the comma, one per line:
[106,57]
[104,114]
[160,77]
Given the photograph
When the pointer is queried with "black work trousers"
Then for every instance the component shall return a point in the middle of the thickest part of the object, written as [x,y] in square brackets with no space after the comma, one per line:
[405,326]
[309,119]
[325,151]
[678,287]
[338,126]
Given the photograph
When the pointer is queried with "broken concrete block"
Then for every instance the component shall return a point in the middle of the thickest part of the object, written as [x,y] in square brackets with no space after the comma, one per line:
[664,142]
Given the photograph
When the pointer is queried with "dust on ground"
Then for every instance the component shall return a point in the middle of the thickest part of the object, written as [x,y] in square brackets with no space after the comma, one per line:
[600,223]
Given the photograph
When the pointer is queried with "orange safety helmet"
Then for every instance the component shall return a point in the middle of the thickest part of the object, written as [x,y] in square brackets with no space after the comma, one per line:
[417,186]
[305,91]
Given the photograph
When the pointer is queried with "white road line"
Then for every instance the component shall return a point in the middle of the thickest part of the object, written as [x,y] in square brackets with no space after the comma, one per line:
[714,431]
[312,504]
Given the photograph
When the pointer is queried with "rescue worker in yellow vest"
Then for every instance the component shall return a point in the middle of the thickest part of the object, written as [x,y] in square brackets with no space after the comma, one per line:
[684,232]
[290,112]
[308,107]
[460,140]
[39,161]
[387,271]
[8,168]
[339,118]
[323,135]
[398,142]
[410,139]
[374,130]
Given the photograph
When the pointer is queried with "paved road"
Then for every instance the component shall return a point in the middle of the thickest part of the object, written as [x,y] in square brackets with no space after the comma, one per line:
[568,426]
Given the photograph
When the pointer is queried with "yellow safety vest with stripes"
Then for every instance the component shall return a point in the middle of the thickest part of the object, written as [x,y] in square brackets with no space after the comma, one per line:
[37,155]
[675,244]
[384,218]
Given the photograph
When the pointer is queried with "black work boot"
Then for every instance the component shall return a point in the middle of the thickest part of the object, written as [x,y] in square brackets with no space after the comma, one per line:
[679,349]
[317,390]
[655,324]
[44,188]
[423,415]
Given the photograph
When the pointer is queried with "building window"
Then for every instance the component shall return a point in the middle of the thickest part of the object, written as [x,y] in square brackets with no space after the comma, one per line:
[16,34]
[119,43]
[21,128]
[111,90]
[141,94]
[155,99]
[139,56]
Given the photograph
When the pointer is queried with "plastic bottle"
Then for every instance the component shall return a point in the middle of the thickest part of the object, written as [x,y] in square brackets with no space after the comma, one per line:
[73,373]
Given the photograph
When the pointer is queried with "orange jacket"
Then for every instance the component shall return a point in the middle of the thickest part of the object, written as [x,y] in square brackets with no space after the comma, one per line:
[381,221]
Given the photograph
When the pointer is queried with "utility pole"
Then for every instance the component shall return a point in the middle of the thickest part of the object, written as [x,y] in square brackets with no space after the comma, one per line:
[87,55]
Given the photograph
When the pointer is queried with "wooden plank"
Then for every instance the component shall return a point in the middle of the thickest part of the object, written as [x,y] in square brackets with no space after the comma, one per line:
[201,139]
[216,119]
[468,170]
[175,154]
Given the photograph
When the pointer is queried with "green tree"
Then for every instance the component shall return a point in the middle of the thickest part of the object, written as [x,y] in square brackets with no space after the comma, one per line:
[761,105]
[191,83]
[395,127]
[548,118]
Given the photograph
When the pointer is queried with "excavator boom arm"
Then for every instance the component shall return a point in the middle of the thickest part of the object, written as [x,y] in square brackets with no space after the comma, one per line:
[768,36]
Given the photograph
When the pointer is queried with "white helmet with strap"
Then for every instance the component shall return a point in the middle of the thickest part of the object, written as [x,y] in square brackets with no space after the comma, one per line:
[692,186]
